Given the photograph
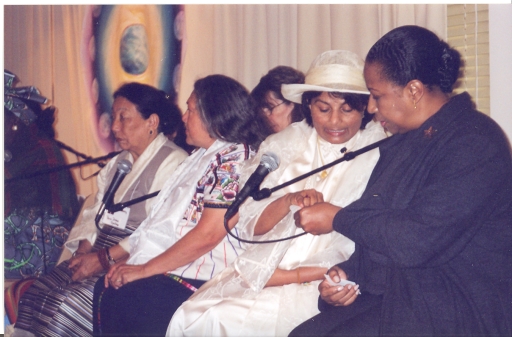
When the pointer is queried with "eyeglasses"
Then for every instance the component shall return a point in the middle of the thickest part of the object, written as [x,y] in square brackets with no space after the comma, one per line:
[268,110]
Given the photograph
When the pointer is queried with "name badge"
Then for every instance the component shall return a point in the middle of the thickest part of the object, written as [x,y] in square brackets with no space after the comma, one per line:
[118,219]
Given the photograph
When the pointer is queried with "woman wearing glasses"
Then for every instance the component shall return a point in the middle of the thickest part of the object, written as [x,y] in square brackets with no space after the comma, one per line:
[279,111]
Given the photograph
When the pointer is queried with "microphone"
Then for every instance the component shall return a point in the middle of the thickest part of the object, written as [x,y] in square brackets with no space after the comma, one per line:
[269,162]
[123,168]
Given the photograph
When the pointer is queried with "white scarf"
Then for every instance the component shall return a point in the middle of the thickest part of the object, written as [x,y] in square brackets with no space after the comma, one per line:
[157,232]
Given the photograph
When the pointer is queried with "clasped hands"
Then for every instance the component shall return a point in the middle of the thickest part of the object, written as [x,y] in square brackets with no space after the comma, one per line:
[315,215]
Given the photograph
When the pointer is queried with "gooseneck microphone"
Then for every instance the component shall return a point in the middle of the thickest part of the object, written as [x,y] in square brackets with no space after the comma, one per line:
[123,168]
[269,162]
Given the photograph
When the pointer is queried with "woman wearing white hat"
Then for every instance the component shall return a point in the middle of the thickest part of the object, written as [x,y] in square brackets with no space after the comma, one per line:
[271,288]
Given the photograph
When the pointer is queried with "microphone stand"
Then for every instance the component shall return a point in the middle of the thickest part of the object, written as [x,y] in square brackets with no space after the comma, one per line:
[267,192]
[62,167]
[75,152]
[117,207]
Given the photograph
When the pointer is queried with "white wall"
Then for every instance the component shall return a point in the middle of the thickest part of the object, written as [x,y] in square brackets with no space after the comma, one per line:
[500,50]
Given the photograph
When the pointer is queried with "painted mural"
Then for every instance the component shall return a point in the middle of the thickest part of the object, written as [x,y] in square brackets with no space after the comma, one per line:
[126,43]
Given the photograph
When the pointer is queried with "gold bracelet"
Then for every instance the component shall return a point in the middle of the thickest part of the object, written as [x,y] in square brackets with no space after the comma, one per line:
[298,275]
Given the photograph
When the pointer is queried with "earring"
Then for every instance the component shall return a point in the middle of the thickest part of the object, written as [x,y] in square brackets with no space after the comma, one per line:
[150,132]
[414,104]
[14,127]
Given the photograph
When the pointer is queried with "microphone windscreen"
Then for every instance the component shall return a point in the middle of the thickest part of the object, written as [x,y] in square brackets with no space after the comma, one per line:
[270,160]
[124,166]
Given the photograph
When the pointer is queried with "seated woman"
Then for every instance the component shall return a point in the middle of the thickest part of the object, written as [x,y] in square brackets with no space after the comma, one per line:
[183,243]
[60,303]
[279,111]
[433,229]
[271,288]
[34,202]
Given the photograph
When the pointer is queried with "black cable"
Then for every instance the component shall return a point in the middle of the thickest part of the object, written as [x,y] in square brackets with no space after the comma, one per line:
[267,192]
[263,241]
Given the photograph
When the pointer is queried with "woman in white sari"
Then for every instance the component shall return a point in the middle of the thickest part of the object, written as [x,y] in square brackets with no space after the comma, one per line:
[271,288]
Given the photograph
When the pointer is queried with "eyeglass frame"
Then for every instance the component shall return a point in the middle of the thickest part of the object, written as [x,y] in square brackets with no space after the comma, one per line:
[268,111]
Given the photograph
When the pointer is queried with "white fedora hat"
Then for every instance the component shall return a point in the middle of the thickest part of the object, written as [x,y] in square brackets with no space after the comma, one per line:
[333,70]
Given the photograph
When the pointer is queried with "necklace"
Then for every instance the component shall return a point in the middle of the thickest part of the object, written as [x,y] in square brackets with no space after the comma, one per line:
[322,175]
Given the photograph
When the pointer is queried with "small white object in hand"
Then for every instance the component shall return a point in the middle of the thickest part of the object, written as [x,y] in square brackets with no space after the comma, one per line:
[340,283]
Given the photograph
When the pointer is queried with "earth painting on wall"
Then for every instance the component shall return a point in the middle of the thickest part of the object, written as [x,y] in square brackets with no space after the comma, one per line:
[129,43]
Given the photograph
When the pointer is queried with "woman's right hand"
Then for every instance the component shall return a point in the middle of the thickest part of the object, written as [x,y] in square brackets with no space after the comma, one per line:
[121,274]
[337,295]
[84,266]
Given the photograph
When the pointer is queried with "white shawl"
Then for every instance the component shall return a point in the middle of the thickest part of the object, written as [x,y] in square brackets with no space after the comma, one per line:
[157,233]
[85,228]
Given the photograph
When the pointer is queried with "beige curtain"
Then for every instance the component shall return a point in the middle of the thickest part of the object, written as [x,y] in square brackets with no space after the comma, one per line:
[43,47]
[245,41]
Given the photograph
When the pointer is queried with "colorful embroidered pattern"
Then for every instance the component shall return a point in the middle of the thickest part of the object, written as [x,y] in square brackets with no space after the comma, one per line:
[218,187]
[181,281]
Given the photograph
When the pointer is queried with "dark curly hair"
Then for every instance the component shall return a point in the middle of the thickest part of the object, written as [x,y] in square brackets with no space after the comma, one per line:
[412,52]
[229,112]
[272,82]
[355,101]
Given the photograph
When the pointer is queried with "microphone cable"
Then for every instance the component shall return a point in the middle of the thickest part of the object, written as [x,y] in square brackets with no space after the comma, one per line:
[266,192]
[258,242]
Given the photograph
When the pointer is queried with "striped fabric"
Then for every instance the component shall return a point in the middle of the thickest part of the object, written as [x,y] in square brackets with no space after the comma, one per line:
[56,306]
[12,296]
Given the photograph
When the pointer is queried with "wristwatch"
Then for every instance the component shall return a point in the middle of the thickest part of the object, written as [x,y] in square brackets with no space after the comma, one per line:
[111,261]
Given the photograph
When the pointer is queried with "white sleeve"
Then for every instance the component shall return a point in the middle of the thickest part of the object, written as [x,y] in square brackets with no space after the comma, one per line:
[165,170]
[85,227]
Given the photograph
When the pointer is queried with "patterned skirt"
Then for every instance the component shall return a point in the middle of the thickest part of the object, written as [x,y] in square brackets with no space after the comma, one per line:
[57,306]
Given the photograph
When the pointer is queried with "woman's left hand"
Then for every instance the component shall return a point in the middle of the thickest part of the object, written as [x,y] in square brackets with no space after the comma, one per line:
[338,295]
[122,273]
[316,219]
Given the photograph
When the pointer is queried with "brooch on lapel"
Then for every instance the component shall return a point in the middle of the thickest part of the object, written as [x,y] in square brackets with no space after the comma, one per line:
[429,132]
